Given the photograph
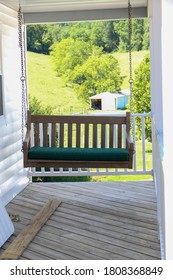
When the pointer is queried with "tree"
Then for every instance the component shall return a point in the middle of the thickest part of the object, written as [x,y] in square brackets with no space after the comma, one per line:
[146,38]
[69,53]
[121,27]
[99,73]
[80,31]
[137,34]
[38,38]
[37,108]
[141,94]
[140,34]
[103,35]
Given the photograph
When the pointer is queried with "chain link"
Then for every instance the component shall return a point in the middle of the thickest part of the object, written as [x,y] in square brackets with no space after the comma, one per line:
[131,70]
[23,73]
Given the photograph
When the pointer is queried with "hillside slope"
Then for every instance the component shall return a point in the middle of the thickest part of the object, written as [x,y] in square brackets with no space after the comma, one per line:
[49,89]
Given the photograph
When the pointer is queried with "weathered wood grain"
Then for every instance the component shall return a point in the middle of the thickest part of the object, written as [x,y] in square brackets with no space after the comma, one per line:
[17,247]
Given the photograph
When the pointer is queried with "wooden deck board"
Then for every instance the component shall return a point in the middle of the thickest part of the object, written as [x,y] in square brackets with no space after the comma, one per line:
[23,239]
[114,220]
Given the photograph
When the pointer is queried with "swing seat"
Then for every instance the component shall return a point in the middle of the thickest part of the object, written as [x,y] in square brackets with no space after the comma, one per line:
[52,141]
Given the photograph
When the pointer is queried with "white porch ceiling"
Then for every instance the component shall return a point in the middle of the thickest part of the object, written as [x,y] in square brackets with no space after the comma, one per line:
[34,10]
[29,6]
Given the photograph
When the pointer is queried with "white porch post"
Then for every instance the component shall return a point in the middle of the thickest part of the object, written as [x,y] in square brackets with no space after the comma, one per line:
[167,89]
[161,12]
[154,13]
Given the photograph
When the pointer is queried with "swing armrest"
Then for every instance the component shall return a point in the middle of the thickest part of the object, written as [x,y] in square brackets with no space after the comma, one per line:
[129,143]
[26,142]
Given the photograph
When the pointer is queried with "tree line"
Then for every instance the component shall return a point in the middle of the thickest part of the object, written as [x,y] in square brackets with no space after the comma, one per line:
[110,35]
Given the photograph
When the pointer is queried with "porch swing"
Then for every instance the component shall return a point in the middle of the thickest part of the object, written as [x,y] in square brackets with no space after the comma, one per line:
[49,140]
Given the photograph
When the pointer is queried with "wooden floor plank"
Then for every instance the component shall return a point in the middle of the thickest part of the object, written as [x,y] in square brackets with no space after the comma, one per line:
[121,191]
[110,231]
[110,199]
[131,214]
[68,196]
[108,239]
[17,247]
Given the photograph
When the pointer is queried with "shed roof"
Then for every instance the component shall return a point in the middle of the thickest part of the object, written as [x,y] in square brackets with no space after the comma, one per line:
[110,95]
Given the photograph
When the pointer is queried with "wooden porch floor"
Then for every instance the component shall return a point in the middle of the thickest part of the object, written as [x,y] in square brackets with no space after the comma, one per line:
[107,220]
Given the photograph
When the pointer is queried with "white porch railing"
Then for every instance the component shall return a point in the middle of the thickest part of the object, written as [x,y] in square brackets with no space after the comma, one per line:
[142,160]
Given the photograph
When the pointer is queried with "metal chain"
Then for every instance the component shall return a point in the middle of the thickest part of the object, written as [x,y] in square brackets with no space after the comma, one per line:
[131,70]
[23,73]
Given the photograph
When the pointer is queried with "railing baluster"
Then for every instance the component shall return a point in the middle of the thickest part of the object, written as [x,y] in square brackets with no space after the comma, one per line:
[143,144]
[115,136]
[124,136]
[119,136]
[134,156]
[32,135]
[41,137]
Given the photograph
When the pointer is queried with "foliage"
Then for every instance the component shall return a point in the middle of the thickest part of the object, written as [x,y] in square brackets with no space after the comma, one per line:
[37,108]
[110,35]
[62,179]
[146,36]
[97,74]
[38,39]
[141,87]
[141,94]
[77,31]
[104,35]
[86,67]
[137,34]
[140,34]
[123,60]
[121,27]
[69,53]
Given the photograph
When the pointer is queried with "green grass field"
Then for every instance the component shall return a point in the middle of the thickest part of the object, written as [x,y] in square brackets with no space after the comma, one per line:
[123,59]
[48,88]
[51,90]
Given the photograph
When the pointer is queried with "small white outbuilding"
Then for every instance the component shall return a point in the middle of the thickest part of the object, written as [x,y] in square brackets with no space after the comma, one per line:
[107,101]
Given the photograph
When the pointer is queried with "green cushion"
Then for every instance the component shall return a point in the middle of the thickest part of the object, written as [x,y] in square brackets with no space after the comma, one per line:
[84,154]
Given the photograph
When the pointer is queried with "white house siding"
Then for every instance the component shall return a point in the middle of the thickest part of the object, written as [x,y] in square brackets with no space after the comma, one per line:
[12,175]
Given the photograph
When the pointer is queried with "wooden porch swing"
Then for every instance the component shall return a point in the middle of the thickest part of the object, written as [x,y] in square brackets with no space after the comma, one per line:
[76,141]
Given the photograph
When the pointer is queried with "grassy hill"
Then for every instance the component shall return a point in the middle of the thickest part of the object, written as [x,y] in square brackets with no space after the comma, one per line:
[48,88]
[123,59]
[51,90]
